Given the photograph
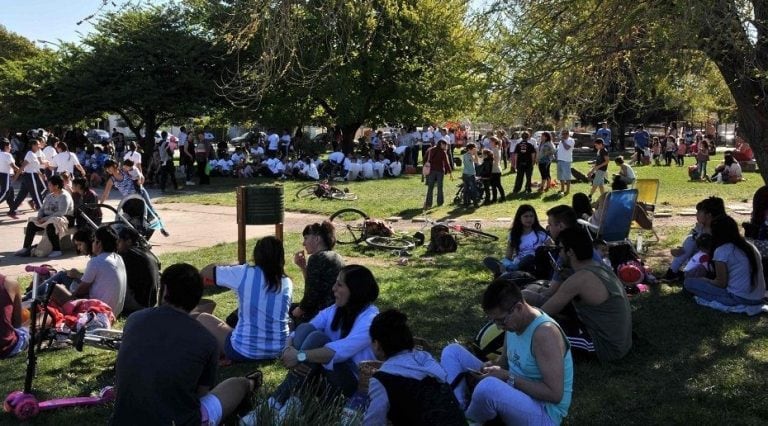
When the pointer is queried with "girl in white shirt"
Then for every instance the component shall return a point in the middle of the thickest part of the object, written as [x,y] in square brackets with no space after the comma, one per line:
[525,235]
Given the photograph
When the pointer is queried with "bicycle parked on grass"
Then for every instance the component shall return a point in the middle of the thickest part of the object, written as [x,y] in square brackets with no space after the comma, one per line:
[324,189]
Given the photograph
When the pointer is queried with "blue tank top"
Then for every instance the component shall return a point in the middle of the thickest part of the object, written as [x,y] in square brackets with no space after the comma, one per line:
[522,362]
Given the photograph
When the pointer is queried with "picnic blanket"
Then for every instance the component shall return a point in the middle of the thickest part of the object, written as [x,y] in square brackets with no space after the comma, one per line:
[750,310]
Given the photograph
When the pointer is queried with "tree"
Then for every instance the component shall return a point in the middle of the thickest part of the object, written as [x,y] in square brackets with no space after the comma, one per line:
[683,37]
[150,66]
[383,61]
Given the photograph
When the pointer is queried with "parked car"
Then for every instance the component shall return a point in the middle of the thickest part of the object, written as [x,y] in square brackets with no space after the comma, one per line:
[97,136]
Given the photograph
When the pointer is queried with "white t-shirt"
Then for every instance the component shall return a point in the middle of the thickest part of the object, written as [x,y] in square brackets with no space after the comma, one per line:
[336,157]
[274,141]
[565,154]
[106,272]
[6,159]
[529,242]
[513,144]
[312,172]
[739,278]
[182,139]
[356,345]
[65,161]
[133,156]
[49,152]
[34,161]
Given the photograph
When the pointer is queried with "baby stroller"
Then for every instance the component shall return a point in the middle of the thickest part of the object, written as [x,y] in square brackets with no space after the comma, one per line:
[132,212]
[458,199]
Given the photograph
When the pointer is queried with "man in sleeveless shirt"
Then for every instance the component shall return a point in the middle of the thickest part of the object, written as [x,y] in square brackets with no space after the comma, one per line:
[602,325]
[13,337]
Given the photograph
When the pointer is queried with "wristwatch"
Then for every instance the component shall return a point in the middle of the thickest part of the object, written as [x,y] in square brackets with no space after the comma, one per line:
[301,356]
[511,380]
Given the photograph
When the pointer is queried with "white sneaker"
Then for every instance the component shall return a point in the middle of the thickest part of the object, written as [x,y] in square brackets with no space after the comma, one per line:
[55,253]
[189,183]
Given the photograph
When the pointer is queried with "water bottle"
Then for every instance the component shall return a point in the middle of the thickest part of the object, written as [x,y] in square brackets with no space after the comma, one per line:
[352,415]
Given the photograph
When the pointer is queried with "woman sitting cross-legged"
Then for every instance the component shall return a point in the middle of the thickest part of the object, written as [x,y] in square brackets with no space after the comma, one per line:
[525,235]
[335,340]
[738,269]
[263,297]
[320,271]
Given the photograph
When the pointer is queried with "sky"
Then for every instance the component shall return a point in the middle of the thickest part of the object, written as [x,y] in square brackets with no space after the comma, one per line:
[53,20]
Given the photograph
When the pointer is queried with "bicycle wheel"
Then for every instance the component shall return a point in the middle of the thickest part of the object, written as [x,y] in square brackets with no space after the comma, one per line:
[390,243]
[350,225]
[477,235]
[338,194]
[306,191]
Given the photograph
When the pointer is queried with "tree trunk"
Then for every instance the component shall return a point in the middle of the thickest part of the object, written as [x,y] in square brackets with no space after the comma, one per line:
[348,138]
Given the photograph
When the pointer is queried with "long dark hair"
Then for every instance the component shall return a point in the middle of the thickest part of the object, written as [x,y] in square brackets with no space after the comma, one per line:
[516,231]
[326,231]
[581,205]
[759,206]
[363,290]
[269,255]
[391,330]
[724,231]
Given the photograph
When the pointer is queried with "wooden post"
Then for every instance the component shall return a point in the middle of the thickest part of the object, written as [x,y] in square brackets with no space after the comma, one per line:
[279,231]
[241,224]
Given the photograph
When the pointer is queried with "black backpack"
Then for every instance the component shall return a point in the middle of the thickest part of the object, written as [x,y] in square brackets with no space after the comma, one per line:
[420,402]
[441,240]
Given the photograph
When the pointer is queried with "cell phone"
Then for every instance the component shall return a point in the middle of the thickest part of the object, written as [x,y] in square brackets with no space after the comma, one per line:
[476,372]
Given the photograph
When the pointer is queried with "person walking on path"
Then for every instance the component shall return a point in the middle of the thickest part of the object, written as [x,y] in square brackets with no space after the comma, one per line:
[7,164]
[32,181]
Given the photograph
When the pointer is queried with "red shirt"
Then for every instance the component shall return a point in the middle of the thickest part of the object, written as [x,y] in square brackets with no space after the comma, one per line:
[438,160]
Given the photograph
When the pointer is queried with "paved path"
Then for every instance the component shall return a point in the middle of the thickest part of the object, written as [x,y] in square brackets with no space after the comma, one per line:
[192,226]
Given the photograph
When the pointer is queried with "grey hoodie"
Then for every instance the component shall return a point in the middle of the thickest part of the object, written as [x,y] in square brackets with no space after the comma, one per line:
[410,364]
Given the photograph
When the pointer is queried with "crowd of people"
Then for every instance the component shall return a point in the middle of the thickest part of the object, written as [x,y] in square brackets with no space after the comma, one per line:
[581,312]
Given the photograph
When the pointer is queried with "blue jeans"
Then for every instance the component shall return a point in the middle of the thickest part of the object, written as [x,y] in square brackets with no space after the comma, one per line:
[703,288]
[341,379]
[470,189]
[702,166]
[524,263]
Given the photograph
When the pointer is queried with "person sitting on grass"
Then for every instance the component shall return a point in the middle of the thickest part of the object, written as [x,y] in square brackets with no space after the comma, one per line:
[626,172]
[83,241]
[404,372]
[531,382]
[13,337]
[729,171]
[320,271]
[739,276]
[333,343]
[104,277]
[263,297]
[166,366]
[142,270]
[757,227]
[525,236]
[706,210]
[602,324]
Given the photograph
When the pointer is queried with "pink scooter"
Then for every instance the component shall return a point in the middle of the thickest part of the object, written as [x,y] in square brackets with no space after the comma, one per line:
[24,404]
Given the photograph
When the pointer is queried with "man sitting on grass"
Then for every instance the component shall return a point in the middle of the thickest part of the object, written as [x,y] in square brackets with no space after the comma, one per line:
[602,324]
[166,366]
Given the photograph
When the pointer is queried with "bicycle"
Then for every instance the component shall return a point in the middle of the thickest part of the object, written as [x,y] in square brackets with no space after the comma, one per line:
[325,190]
[354,226]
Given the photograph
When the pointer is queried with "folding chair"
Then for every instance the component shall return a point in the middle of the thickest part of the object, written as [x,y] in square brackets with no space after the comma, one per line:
[617,217]
[647,193]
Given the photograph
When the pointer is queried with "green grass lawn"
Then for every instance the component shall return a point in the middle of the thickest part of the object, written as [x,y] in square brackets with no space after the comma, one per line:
[404,196]
[688,364]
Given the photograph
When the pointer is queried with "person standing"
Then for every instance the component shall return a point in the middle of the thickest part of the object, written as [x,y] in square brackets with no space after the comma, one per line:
[564,160]
[32,181]
[497,148]
[525,157]
[641,138]
[273,143]
[186,154]
[203,151]
[468,175]
[440,165]
[66,161]
[167,168]
[7,164]
[604,133]
[600,169]
[546,155]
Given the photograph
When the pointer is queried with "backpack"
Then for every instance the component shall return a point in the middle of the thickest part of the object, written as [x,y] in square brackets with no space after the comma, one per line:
[377,228]
[441,240]
[420,402]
